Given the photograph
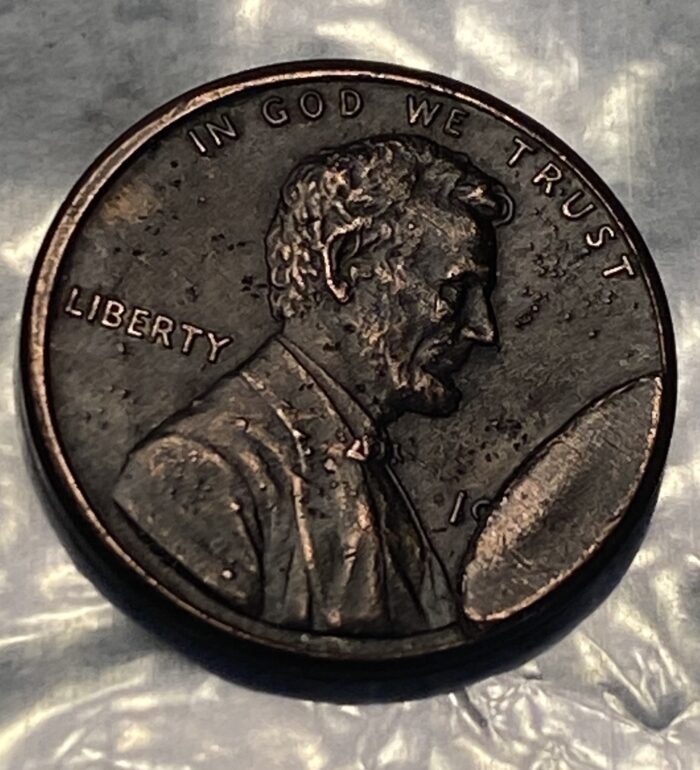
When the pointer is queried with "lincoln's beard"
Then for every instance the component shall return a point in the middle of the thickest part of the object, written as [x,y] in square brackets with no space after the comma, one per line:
[432,389]
[421,368]
[428,394]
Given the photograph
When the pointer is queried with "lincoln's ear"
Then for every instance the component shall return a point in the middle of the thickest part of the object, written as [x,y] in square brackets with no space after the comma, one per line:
[338,254]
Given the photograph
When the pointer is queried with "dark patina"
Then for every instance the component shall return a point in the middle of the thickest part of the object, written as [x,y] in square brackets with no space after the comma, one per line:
[349,361]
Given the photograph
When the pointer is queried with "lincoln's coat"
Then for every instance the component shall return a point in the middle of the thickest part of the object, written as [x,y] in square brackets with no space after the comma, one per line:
[276,491]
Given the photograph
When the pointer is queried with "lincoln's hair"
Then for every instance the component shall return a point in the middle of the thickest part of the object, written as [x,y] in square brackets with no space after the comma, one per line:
[357,189]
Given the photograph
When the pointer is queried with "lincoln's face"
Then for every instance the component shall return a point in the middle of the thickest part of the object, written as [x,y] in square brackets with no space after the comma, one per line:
[382,257]
[427,303]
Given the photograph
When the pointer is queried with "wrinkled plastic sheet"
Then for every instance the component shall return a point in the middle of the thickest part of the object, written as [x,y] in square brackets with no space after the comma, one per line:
[82,685]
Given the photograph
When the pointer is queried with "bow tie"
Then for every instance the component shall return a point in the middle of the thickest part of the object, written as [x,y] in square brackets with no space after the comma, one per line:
[368,447]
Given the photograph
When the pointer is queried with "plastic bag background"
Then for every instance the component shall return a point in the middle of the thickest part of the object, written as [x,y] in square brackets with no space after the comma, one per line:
[83,686]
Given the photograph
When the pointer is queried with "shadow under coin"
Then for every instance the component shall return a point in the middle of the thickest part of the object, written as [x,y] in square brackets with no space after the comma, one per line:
[489,648]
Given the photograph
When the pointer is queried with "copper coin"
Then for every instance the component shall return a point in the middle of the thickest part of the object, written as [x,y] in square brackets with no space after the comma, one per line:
[348,361]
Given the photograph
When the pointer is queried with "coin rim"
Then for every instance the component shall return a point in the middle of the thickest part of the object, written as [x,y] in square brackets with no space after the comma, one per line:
[37,410]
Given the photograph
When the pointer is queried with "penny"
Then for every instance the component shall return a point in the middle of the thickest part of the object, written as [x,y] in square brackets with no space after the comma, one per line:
[348,361]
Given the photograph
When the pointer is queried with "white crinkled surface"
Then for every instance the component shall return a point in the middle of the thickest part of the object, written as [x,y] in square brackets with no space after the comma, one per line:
[81,685]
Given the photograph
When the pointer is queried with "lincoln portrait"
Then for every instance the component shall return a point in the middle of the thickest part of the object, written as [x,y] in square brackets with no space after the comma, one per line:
[275,490]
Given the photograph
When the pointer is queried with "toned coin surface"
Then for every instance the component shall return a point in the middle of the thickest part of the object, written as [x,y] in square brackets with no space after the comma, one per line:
[348,361]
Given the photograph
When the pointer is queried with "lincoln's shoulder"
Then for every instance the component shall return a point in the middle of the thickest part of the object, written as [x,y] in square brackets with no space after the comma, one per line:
[220,414]
[197,484]
[202,454]
[235,423]
[238,407]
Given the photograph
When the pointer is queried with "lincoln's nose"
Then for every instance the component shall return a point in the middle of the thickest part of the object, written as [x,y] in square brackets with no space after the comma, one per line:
[478,322]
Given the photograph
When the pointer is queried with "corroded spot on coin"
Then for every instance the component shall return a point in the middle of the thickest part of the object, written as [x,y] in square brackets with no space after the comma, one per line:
[349,361]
